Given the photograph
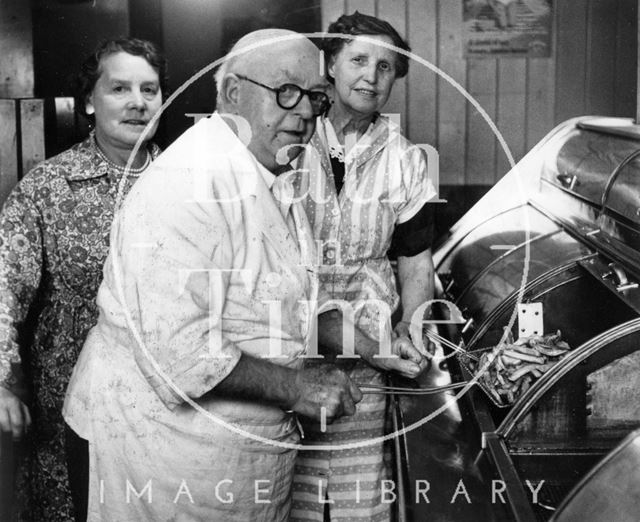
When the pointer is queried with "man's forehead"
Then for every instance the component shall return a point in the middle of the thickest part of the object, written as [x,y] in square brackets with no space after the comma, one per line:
[298,76]
[296,61]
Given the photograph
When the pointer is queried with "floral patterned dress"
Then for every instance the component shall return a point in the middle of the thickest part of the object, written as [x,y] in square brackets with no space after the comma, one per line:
[54,231]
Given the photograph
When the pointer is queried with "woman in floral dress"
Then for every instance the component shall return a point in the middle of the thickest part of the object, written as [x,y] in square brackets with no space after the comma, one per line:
[54,230]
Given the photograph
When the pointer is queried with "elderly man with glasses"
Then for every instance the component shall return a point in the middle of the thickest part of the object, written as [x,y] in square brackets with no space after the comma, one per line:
[188,387]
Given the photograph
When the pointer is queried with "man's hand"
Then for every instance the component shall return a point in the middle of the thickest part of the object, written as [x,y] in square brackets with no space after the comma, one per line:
[14,414]
[325,386]
[303,391]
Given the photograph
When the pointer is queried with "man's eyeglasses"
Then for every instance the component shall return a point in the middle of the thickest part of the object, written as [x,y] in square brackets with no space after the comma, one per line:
[290,94]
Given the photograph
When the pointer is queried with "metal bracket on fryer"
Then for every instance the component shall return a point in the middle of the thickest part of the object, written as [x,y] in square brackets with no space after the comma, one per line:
[530,319]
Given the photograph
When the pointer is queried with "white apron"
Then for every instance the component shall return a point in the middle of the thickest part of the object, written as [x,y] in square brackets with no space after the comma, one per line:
[200,264]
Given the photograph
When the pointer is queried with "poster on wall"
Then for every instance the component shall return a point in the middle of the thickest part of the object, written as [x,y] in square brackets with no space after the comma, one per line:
[518,28]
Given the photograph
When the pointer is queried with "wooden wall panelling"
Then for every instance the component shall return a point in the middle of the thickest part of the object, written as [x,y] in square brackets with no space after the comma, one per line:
[512,110]
[394,12]
[16,58]
[8,148]
[571,58]
[601,45]
[331,10]
[364,6]
[540,99]
[584,74]
[480,141]
[31,133]
[626,58]
[451,104]
[541,74]
[422,32]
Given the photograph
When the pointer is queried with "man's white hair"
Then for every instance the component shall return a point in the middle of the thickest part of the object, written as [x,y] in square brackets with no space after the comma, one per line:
[238,63]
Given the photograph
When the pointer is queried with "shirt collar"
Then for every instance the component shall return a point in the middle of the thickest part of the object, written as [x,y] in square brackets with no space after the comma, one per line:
[268,177]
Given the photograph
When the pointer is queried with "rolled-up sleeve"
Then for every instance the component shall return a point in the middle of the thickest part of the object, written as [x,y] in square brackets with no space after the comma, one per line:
[417,185]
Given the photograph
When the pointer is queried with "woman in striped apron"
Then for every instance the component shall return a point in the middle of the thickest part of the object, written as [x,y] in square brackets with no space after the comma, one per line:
[365,189]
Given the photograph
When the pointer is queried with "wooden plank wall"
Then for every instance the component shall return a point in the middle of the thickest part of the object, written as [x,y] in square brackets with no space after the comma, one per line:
[16,56]
[31,133]
[21,140]
[626,61]
[8,147]
[592,70]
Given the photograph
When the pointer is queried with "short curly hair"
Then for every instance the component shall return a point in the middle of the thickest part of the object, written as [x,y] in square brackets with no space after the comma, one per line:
[86,79]
[362,24]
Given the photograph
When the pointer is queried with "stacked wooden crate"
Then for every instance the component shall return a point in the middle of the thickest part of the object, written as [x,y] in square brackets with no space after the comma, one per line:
[21,117]
[21,140]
